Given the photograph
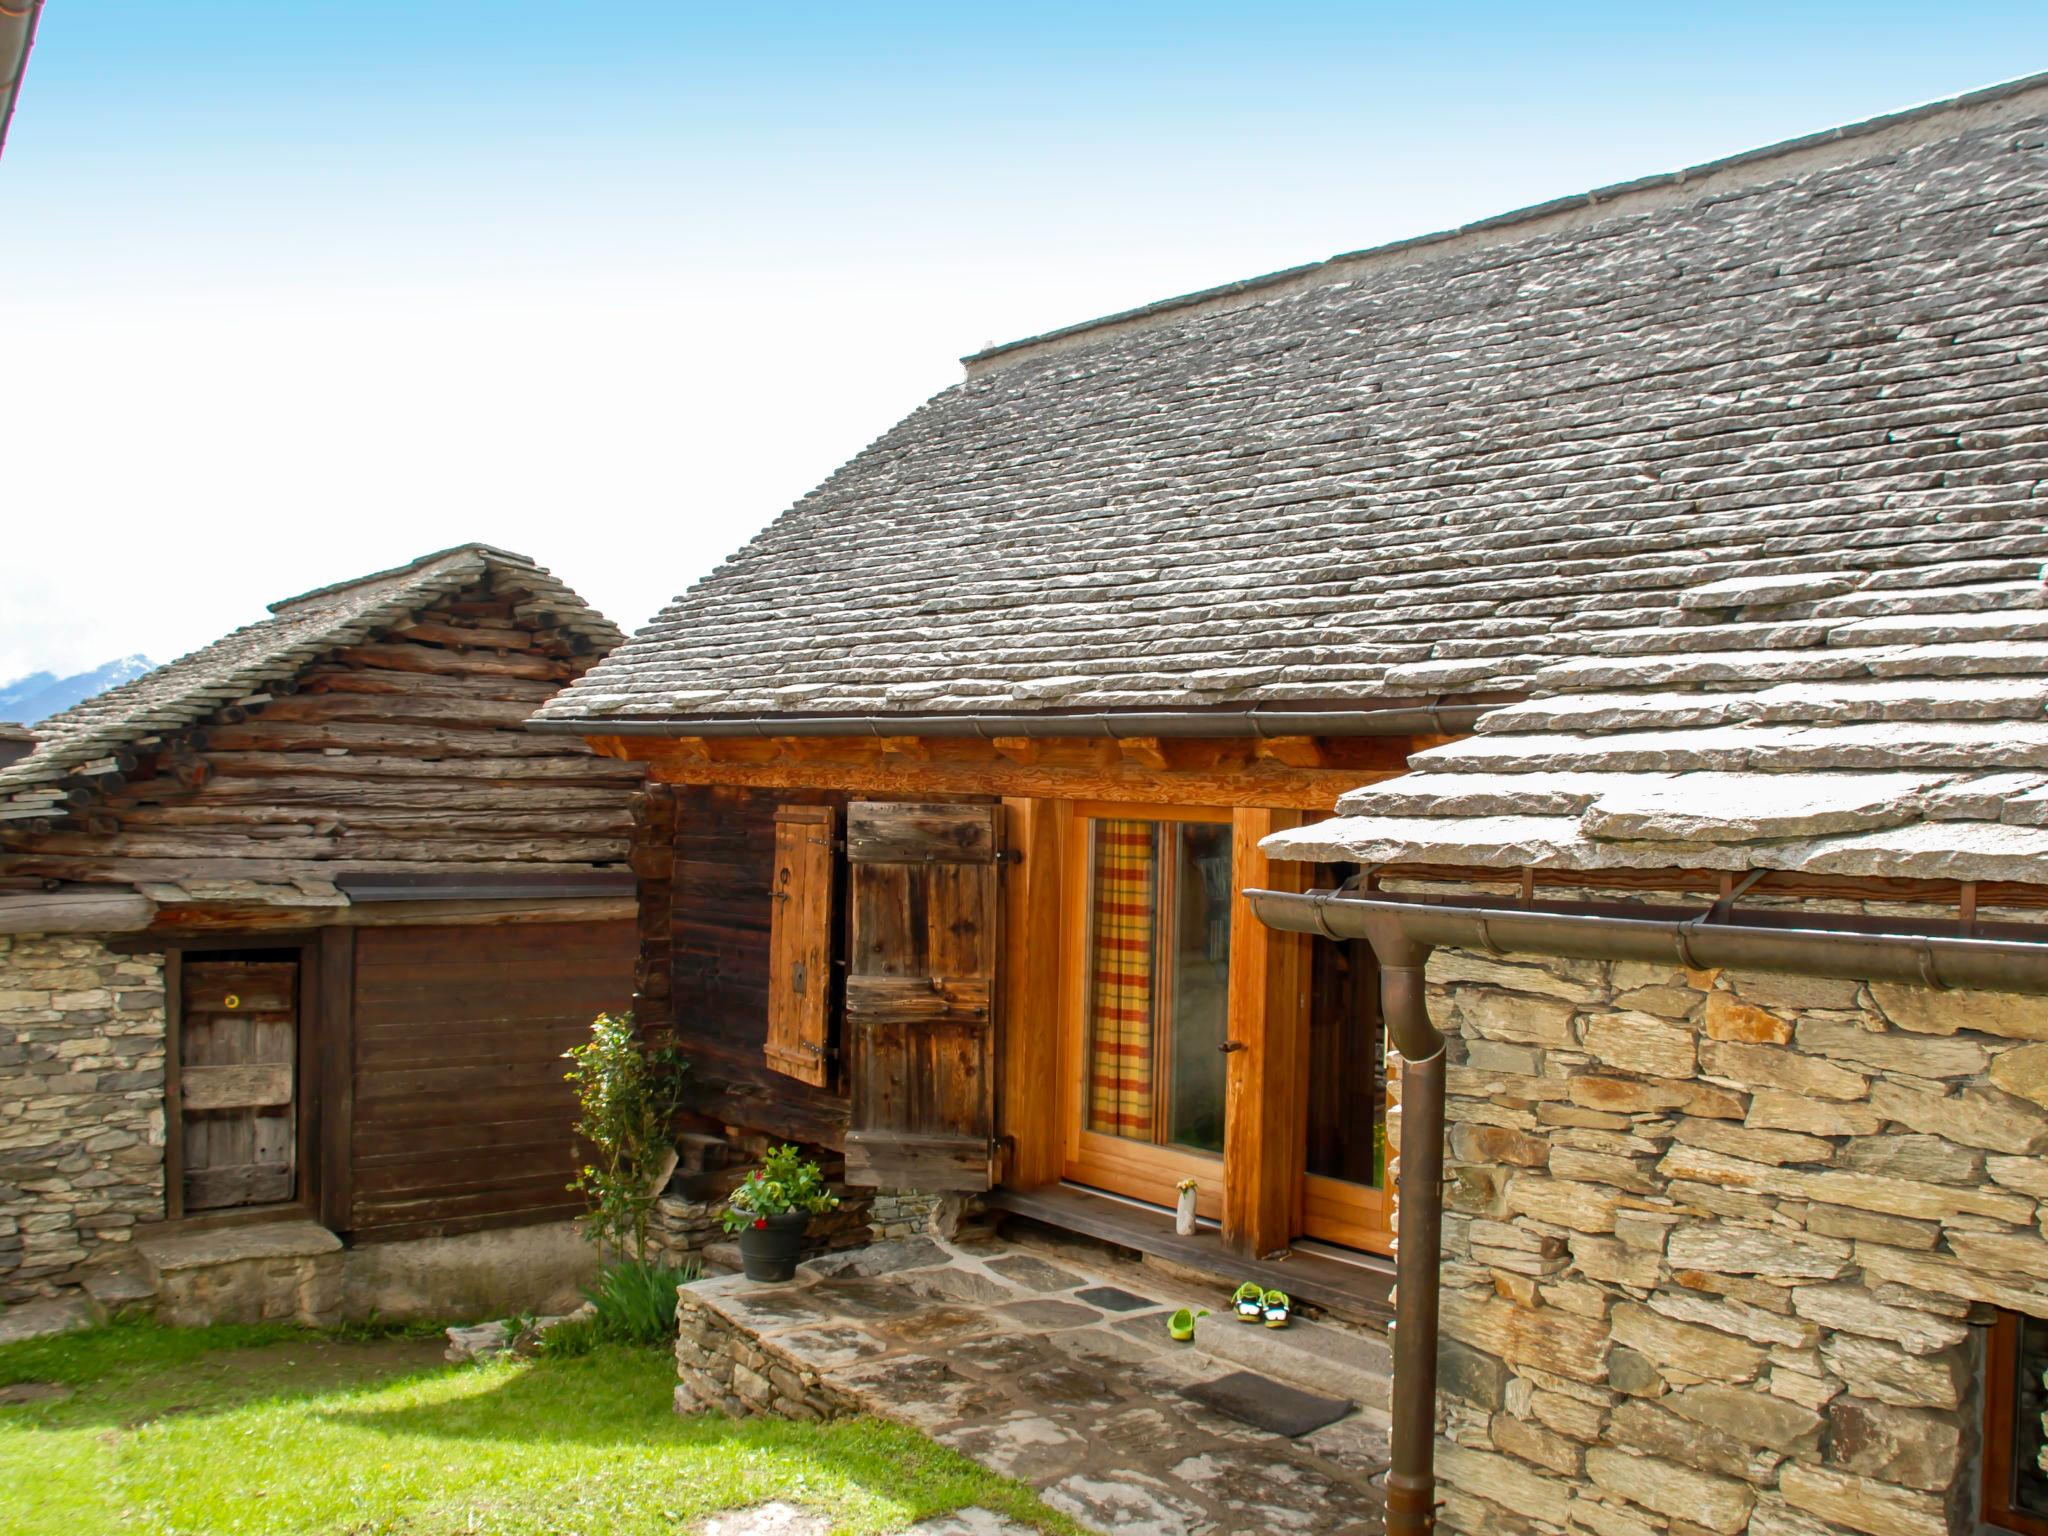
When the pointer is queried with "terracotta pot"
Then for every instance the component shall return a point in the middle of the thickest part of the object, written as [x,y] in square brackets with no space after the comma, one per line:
[771,1252]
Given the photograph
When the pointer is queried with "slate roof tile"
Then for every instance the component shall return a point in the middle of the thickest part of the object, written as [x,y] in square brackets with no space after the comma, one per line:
[1716,419]
[299,629]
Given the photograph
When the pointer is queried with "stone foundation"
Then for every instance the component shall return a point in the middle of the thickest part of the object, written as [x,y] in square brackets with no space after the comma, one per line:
[503,1272]
[81,1106]
[1718,1248]
[682,1229]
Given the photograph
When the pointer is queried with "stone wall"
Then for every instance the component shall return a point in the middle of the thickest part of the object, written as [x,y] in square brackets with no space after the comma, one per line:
[1718,1248]
[719,1366]
[682,1228]
[81,1105]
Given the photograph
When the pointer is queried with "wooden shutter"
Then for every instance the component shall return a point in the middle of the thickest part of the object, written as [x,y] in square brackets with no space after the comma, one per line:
[920,995]
[800,944]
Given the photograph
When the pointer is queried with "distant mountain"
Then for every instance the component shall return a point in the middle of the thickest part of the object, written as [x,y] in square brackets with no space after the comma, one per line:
[43,694]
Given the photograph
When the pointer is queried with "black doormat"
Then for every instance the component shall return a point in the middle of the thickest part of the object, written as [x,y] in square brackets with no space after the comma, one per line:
[1112,1298]
[1264,1403]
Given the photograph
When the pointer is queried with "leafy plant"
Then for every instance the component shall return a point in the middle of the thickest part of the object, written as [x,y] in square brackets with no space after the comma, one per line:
[786,1182]
[627,1091]
[636,1305]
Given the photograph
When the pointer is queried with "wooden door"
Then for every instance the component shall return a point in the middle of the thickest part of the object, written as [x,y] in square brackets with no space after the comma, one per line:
[920,994]
[238,1044]
[1145,986]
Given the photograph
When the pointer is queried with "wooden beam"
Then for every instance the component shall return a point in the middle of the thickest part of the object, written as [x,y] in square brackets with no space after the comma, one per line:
[1028,1072]
[333,1177]
[1056,771]
[174,1101]
[256,1085]
[1266,1143]
[76,912]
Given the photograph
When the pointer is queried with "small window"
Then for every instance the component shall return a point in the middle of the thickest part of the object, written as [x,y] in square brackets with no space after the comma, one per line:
[2015,1487]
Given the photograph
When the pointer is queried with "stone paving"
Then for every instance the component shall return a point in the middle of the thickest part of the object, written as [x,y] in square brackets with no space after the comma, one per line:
[1046,1368]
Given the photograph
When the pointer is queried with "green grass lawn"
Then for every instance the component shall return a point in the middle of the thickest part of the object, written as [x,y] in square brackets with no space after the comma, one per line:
[273,1430]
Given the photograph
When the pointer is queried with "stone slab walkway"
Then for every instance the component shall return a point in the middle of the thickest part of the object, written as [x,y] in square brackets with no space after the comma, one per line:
[1050,1370]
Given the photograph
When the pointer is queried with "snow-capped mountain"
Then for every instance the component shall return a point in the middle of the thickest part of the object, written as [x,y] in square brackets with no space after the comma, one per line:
[42,694]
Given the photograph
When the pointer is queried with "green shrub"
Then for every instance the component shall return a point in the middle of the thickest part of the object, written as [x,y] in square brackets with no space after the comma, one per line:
[627,1093]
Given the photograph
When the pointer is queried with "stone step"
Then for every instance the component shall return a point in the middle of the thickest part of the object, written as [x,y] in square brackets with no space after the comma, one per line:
[56,1314]
[274,1271]
[1317,1357]
[121,1284]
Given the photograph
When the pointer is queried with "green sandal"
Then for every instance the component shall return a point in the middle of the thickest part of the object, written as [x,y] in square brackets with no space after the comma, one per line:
[1248,1302]
[1278,1310]
[1181,1326]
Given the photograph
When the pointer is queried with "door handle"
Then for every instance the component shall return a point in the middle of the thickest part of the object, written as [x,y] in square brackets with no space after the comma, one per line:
[1232,1045]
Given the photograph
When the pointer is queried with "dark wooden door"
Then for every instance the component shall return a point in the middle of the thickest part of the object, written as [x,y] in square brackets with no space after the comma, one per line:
[238,1045]
[920,994]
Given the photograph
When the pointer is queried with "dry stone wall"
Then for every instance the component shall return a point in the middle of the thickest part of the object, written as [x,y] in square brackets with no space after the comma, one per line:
[681,1228]
[1718,1248]
[81,1105]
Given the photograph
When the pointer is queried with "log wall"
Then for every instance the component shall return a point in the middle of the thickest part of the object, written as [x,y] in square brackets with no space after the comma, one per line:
[705,856]
[406,752]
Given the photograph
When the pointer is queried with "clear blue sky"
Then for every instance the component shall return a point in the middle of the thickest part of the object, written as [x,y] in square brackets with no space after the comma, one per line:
[296,289]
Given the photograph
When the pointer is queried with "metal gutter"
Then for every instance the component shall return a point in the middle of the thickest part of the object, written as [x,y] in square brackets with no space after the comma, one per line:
[1431,719]
[1403,931]
[1699,941]
[18,20]
[372,888]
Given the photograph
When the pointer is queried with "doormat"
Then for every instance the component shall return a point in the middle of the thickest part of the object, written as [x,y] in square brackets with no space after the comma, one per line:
[1114,1298]
[1264,1403]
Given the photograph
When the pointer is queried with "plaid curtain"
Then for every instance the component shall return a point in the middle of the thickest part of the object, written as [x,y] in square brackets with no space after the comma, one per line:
[1125,902]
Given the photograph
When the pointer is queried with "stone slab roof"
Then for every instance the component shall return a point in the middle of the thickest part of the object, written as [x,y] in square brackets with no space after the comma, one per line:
[1439,469]
[299,629]
[1893,723]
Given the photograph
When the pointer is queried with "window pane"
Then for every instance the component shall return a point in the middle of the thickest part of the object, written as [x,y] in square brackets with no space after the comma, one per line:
[1194,1028]
[1123,864]
[1159,980]
[1347,1064]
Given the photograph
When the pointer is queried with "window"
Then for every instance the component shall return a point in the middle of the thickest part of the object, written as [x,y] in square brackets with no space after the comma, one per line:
[1158,980]
[2015,1487]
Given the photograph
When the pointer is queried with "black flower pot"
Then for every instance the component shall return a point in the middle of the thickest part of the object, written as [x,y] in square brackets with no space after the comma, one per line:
[770,1248]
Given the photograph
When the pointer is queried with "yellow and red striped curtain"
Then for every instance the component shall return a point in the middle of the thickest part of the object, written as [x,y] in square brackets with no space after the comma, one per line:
[1121,978]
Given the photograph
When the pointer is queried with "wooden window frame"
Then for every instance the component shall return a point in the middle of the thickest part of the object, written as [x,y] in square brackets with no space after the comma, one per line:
[2001,1395]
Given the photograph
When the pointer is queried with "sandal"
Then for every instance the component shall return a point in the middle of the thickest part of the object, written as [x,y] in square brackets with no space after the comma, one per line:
[1278,1309]
[1181,1326]
[1249,1302]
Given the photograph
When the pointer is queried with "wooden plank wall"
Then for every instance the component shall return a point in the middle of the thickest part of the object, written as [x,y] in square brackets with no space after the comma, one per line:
[409,751]
[719,867]
[459,1115]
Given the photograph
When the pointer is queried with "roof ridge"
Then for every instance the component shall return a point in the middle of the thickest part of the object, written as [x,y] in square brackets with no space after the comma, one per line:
[489,552]
[1596,202]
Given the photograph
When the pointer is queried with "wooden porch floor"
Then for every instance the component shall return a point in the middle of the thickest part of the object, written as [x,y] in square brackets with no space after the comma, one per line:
[1357,1288]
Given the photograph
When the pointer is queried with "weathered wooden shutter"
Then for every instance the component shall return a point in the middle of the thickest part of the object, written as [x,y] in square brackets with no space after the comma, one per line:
[920,994]
[800,943]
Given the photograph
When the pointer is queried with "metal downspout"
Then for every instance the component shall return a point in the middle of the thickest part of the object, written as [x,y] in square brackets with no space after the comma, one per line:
[1418,1241]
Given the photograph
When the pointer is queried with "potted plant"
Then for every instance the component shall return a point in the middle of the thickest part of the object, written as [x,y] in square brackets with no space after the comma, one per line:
[771,1209]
